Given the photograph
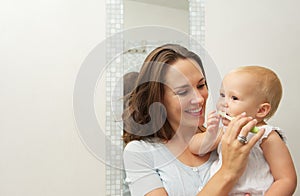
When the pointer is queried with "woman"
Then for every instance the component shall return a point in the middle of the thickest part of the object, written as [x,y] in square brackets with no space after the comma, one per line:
[164,111]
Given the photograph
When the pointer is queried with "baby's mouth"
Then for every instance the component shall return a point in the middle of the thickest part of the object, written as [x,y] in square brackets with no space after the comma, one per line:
[225,115]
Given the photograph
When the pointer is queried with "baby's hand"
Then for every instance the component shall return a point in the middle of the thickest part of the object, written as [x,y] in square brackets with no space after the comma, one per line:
[210,139]
[213,121]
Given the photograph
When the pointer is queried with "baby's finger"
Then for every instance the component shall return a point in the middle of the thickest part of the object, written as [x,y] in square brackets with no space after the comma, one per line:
[212,114]
[213,120]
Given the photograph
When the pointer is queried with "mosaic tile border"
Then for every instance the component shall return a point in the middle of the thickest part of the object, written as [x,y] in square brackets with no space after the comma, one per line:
[113,154]
[114,24]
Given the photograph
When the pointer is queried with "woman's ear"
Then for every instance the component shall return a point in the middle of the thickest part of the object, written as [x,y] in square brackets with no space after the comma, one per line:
[263,110]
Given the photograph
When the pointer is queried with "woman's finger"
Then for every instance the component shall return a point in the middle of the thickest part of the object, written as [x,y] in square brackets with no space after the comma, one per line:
[255,138]
[247,128]
[235,126]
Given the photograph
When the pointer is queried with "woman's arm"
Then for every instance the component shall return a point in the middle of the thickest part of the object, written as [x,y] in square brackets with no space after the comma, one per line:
[158,192]
[281,165]
[141,175]
[234,157]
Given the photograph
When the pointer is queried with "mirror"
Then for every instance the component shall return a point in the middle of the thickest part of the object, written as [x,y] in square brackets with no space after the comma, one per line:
[138,13]
[167,13]
[185,16]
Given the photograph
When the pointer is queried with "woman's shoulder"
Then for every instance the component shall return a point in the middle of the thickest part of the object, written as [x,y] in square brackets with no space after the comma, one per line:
[142,153]
[140,145]
[135,144]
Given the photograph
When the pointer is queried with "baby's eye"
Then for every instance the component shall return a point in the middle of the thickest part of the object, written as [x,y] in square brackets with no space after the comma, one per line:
[234,98]
[222,95]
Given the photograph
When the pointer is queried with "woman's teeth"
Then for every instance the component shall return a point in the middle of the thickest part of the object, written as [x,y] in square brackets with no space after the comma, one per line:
[195,110]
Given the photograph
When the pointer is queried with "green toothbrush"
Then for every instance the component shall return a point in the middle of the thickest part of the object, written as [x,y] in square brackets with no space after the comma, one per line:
[224,115]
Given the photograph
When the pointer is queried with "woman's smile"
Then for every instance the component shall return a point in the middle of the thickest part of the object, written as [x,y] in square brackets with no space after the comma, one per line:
[195,112]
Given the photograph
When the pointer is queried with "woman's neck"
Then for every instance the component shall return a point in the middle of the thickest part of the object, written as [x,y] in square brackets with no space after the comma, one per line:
[184,135]
[180,141]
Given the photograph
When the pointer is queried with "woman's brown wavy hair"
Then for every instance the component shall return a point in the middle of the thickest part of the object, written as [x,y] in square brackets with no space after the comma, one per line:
[149,89]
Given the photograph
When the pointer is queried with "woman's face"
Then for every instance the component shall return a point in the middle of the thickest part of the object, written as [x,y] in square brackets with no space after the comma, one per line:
[185,95]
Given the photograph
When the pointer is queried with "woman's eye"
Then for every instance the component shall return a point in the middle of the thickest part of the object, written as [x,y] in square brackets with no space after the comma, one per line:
[200,86]
[182,92]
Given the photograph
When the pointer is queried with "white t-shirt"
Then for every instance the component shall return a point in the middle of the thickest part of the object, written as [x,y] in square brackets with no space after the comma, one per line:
[151,165]
[257,177]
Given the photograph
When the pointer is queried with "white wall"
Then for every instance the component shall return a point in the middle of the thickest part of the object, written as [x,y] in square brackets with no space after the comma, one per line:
[140,14]
[42,45]
[264,33]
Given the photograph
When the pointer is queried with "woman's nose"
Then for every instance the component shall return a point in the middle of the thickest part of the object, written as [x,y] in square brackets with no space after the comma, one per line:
[197,98]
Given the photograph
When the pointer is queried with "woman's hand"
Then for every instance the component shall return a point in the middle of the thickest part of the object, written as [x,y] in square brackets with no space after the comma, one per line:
[234,156]
[234,152]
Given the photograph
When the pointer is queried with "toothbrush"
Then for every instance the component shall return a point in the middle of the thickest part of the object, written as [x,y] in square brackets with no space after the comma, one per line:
[224,115]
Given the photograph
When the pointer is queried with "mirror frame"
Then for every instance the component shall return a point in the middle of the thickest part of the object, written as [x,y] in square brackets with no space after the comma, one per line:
[114,23]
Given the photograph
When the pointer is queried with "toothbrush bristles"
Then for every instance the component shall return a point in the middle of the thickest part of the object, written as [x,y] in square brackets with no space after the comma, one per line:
[224,115]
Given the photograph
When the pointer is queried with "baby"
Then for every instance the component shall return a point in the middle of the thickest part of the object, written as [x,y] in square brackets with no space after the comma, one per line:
[256,91]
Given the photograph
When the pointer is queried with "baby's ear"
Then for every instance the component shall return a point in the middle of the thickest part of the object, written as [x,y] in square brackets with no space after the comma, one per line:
[263,110]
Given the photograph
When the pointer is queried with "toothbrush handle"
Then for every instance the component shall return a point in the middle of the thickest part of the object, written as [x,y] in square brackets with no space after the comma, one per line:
[254,130]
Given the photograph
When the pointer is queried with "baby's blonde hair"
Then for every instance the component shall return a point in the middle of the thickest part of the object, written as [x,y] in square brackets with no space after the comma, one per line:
[270,88]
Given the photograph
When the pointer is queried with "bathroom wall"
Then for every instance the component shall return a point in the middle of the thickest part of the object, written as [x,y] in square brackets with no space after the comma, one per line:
[261,33]
[42,46]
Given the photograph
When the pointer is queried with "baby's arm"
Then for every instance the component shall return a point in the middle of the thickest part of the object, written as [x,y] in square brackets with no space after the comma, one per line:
[202,143]
[281,165]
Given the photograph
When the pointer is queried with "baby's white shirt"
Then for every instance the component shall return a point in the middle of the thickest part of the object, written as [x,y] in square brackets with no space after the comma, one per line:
[257,177]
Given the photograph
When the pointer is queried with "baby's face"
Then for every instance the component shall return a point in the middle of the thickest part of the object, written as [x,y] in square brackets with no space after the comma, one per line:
[238,94]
